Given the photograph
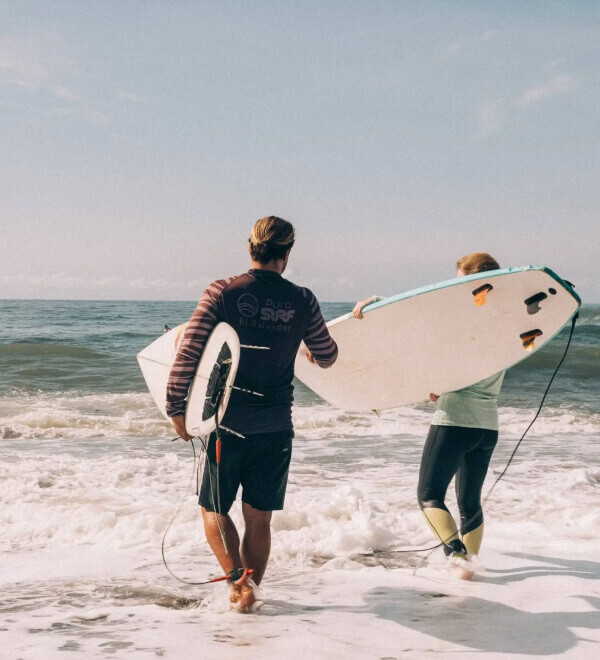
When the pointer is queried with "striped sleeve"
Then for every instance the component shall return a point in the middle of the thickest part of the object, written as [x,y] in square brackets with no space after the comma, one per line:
[204,319]
[317,338]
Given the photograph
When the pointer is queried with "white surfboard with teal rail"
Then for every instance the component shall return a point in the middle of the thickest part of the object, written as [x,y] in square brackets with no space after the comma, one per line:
[440,338]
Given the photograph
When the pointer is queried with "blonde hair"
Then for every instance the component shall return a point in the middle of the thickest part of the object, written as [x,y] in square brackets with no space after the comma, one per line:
[271,239]
[477,262]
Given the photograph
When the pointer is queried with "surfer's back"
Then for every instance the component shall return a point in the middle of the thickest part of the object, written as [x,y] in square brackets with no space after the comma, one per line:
[269,311]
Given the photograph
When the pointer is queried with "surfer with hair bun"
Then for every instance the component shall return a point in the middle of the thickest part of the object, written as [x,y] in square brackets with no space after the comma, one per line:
[268,312]
[460,442]
[271,240]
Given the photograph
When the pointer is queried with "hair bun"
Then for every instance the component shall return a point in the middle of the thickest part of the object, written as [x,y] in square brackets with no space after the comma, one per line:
[271,238]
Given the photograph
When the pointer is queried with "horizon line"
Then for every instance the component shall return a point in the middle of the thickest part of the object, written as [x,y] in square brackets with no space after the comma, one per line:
[174,300]
[349,302]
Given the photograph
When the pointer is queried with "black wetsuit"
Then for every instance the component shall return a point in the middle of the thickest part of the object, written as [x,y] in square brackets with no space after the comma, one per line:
[461,451]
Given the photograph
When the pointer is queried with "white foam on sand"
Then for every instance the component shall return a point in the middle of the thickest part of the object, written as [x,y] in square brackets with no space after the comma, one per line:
[82,519]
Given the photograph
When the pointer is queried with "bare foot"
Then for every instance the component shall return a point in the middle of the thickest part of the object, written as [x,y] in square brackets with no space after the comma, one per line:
[462,568]
[243,596]
[467,575]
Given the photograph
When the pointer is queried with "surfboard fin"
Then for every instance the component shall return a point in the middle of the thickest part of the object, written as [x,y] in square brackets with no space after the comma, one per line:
[480,294]
[533,302]
[529,338]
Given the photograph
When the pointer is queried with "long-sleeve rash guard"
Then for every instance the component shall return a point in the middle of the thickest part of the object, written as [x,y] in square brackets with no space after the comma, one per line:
[266,310]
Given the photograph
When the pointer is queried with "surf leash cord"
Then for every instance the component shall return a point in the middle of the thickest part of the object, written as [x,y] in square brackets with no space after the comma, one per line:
[445,542]
[539,410]
[215,397]
[195,473]
[237,576]
[217,509]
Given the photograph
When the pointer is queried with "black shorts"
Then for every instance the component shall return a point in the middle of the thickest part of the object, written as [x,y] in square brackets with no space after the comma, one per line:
[259,463]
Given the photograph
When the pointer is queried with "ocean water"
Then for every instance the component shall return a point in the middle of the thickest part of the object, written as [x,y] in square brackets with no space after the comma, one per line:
[89,477]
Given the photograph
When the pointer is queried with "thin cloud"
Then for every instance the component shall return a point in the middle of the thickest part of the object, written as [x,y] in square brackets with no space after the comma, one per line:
[344,282]
[59,284]
[455,47]
[40,65]
[64,93]
[58,92]
[132,98]
[489,117]
[84,115]
[461,44]
[558,84]
[33,63]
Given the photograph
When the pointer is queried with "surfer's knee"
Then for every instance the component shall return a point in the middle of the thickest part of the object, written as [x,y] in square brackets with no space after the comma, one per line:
[211,518]
[430,494]
[256,517]
[428,503]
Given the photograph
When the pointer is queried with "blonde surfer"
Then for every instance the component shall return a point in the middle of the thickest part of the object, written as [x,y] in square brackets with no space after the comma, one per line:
[460,443]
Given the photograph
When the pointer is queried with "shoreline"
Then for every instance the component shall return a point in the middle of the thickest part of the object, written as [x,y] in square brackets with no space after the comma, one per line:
[541,603]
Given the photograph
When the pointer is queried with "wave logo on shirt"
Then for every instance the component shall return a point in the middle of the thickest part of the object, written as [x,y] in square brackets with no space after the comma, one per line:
[247,305]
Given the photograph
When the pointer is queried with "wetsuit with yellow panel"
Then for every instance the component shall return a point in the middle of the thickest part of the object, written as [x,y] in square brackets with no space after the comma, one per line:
[460,442]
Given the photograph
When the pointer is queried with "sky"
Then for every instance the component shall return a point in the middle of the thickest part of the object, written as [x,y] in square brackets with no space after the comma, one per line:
[140,141]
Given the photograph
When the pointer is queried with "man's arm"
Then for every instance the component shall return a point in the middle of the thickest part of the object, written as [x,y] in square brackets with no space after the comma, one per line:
[196,334]
[322,349]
